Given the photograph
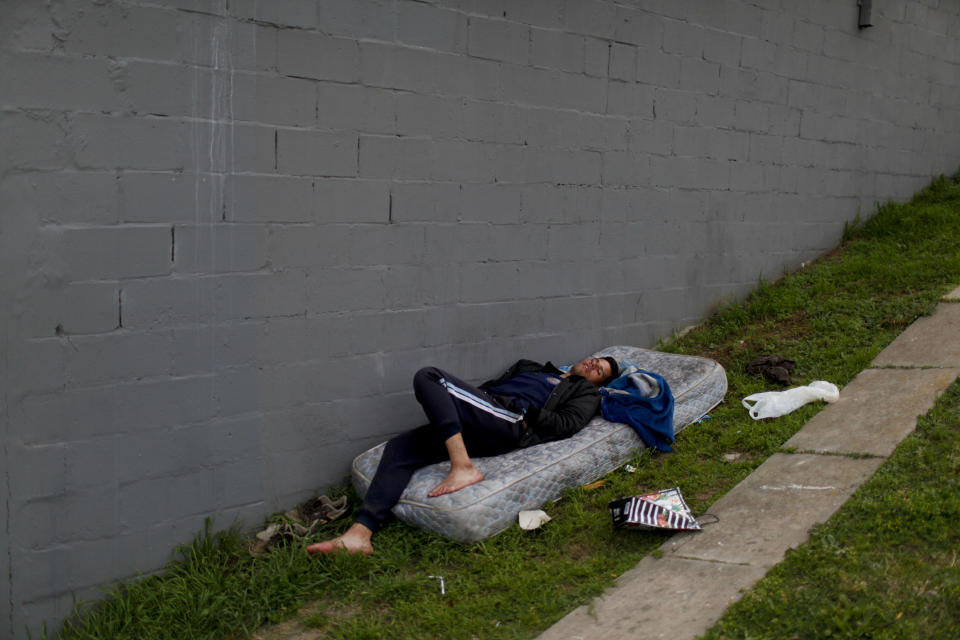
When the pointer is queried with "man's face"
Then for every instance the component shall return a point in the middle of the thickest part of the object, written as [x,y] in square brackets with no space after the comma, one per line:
[596,370]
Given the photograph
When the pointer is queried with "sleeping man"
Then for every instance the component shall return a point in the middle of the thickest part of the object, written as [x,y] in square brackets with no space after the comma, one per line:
[529,404]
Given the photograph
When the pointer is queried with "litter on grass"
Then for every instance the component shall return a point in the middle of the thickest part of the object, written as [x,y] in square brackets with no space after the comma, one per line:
[664,509]
[530,520]
[443,587]
[773,404]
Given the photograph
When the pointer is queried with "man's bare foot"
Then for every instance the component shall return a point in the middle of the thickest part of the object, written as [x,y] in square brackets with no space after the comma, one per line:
[356,539]
[457,479]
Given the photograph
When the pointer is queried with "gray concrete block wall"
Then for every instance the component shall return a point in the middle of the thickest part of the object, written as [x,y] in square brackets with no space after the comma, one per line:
[231,231]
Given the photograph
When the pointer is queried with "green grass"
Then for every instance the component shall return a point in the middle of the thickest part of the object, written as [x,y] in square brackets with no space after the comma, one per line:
[832,317]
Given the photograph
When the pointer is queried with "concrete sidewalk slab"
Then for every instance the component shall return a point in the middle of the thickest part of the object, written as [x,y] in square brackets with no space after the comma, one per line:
[659,598]
[773,509]
[875,411]
[683,593]
[932,341]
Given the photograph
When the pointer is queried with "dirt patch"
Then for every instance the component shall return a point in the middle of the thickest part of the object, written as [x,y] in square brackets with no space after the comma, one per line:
[310,622]
[761,339]
[578,550]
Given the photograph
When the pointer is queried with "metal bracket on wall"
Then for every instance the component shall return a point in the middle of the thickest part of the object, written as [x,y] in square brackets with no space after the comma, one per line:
[863,19]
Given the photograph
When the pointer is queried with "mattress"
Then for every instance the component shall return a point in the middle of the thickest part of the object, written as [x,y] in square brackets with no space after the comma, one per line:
[527,478]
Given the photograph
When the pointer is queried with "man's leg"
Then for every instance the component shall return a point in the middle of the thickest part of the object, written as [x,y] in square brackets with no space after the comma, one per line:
[462,472]
[402,455]
[356,539]
[468,419]
[461,416]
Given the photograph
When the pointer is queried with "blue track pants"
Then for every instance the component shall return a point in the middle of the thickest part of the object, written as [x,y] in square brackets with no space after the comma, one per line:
[452,406]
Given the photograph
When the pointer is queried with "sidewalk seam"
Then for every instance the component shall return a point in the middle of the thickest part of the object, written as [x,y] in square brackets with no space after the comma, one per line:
[841,454]
[710,560]
[906,367]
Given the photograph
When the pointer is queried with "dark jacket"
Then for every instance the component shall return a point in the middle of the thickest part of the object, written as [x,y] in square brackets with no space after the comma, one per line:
[568,408]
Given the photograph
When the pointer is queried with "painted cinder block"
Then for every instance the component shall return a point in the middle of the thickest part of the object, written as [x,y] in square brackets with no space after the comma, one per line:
[424,115]
[32,79]
[239,483]
[219,248]
[34,141]
[494,203]
[125,142]
[211,39]
[159,453]
[590,17]
[638,27]
[623,61]
[659,69]
[722,47]
[555,89]
[70,309]
[284,13]
[107,252]
[700,76]
[385,244]
[260,104]
[554,49]
[345,289]
[35,471]
[307,247]
[157,89]
[355,107]
[311,54]
[315,153]
[543,13]
[346,200]
[260,295]
[168,196]
[240,148]
[425,202]
[52,417]
[498,40]
[716,110]
[376,19]
[430,26]
[162,302]
[150,501]
[137,31]
[255,198]
[67,197]
[626,168]
[630,99]
[394,157]
[123,355]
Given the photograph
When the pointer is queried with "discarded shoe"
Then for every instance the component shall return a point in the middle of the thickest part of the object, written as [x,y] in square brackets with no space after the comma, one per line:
[319,510]
[300,522]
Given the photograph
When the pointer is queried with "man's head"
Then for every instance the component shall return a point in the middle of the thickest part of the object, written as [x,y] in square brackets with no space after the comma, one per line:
[599,371]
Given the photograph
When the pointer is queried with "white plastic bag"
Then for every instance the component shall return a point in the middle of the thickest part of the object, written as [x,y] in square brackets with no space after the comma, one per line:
[772,404]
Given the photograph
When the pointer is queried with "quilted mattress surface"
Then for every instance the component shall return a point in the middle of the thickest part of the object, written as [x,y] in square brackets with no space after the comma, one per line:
[527,478]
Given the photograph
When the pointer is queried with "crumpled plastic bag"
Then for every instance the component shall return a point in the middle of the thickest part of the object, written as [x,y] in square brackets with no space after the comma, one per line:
[772,404]
[530,520]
